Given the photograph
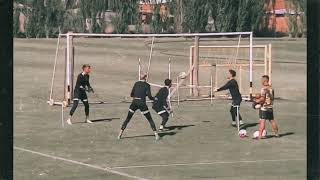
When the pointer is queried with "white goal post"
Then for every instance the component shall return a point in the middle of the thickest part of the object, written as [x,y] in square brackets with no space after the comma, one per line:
[70,60]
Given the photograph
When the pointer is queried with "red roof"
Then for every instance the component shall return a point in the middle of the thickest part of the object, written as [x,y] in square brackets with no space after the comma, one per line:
[279,5]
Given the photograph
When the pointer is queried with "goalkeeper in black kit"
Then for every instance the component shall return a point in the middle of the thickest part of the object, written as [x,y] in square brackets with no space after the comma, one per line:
[140,90]
[233,87]
[82,86]
[161,105]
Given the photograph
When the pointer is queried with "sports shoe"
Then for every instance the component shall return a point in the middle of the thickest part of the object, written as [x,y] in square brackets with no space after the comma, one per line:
[162,128]
[277,135]
[69,121]
[157,136]
[120,135]
[241,122]
[88,121]
[233,123]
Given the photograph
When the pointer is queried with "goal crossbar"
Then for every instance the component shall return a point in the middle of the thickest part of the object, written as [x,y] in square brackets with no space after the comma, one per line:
[154,35]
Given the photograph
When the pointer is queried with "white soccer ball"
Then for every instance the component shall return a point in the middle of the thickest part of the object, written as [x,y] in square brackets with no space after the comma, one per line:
[51,102]
[258,106]
[242,133]
[182,75]
[256,134]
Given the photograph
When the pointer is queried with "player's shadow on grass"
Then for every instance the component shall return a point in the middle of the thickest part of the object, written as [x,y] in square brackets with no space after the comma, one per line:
[104,119]
[161,134]
[281,135]
[206,121]
[179,127]
[248,125]
[98,120]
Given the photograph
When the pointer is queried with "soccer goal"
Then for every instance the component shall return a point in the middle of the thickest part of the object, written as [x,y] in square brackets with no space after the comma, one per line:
[197,63]
[215,61]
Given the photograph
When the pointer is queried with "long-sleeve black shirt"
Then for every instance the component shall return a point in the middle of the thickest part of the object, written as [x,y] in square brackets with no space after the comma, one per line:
[233,87]
[162,97]
[82,82]
[141,89]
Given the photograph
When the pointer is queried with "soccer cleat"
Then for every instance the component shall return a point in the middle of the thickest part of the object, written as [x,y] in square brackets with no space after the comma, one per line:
[241,122]
[157,136]
[277,135]
[120,135]
[233,123]
[88,121]
[69,121]
[162,128]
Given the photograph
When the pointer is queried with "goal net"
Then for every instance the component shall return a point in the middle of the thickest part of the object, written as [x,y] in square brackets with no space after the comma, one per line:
[196,63]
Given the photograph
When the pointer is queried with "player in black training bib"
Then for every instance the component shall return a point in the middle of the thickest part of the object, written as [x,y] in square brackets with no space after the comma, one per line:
[140,90]
[82,85]
[233,87]
[160,104]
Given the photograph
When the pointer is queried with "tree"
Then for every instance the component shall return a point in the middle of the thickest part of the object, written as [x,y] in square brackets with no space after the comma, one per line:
[177,9]
[296,17]
[237,15]
[54,17]
[196,15]
[156,26]
[36,20]
[92,12]
[45,18]
[128,15]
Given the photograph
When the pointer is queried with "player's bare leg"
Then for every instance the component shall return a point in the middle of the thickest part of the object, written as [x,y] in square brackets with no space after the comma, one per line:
[262,128]
[275,128]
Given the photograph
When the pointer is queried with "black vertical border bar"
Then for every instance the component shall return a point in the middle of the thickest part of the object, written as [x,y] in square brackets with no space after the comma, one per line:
[6,90]
[313,90]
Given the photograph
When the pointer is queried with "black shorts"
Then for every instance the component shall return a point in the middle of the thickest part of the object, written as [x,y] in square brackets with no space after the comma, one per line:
[80,95]
[139,104]
[266,114]
[158,108]
[236,101]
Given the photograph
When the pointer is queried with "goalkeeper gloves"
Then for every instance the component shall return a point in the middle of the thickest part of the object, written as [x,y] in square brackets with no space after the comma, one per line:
[89,89]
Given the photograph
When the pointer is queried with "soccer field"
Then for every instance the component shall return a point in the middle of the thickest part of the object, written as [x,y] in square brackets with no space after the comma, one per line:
[201,144]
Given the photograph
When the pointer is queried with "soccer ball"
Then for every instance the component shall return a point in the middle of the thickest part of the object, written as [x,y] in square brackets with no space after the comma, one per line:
[182,75]
[256,134]
[242,133]
[51,102]
[256,105]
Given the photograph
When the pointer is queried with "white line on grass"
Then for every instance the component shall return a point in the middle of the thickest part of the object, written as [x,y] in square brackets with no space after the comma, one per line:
[107,169]
[206,163]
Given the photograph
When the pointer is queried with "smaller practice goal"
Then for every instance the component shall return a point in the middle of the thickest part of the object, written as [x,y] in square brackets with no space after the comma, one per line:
[215,61]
